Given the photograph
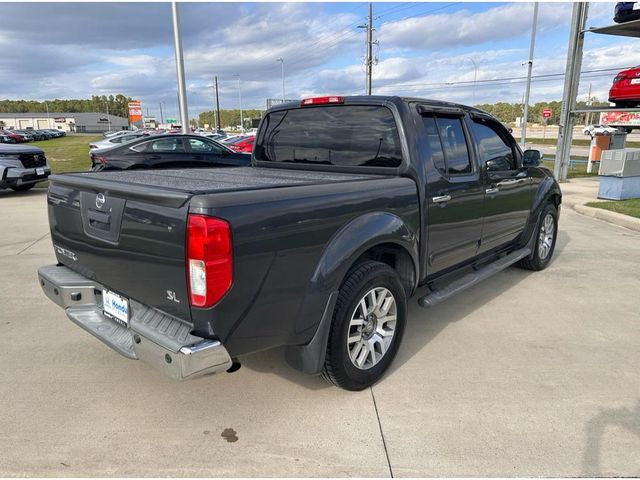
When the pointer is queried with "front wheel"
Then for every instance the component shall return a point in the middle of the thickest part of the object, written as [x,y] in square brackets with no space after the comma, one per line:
[545,244]
[368,323]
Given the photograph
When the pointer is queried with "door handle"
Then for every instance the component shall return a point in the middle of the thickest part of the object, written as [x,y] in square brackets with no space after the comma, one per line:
[491,191]
[441,198]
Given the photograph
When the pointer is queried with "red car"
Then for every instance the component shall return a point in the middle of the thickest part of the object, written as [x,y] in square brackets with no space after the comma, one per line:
[243,146]
[14,138]
[625,91]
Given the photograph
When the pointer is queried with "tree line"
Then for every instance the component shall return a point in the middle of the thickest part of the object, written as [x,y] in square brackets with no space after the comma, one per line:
[116,104]
[508,112]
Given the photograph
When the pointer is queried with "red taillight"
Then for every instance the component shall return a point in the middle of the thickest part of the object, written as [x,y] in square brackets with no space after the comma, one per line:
[321,100]
[209,265]
[99,159]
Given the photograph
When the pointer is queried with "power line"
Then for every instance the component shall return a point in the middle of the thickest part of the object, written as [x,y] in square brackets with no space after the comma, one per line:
[504,79]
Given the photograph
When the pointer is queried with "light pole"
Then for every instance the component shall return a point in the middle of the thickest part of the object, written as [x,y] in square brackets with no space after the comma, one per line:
[529,68]
[240,101]
[281,60]
[108,117]
[475,77]
[182,91]
[48,118]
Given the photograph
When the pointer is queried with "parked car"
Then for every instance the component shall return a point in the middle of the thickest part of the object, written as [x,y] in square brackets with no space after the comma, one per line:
[351,206]
[215,136]
[21,167]
[24,137]
[12,137]
[5,138]
[116,140]
[234,139]
[114,133]
[625,91]
[166,151]
[55,133]
[243,146]
[33,133]
[626,11]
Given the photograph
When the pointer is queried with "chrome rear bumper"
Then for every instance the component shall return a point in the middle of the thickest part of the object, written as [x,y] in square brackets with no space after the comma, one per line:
[158,339]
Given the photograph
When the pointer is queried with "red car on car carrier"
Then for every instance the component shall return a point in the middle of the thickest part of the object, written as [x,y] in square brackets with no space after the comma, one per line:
[625,91]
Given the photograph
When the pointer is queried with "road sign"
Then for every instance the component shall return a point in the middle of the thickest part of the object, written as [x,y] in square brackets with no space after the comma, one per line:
[171,120]
[546,113]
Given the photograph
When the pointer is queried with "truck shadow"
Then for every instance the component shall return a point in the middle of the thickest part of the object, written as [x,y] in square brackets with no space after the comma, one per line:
[422,325]
[627,418]
[34,192]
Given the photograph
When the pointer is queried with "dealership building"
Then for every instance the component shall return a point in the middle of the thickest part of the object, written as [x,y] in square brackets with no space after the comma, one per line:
[88,122]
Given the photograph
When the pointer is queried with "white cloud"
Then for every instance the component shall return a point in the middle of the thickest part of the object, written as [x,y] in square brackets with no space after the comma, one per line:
[462,28]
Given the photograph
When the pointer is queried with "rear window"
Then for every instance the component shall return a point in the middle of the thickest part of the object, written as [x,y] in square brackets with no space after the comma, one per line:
[346,136]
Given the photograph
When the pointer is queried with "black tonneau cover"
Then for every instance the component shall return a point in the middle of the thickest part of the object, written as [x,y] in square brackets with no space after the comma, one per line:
[174,187]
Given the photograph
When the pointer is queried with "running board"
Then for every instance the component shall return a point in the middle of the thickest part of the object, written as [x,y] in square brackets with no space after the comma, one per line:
[472,278]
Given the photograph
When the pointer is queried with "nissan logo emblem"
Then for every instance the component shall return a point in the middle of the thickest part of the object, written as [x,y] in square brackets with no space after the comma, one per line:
[99,200]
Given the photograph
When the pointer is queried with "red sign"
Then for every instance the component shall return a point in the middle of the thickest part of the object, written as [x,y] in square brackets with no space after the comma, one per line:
[546,113]
[135,113]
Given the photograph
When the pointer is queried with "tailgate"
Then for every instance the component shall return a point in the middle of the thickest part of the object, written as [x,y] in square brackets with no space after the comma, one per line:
[130,239]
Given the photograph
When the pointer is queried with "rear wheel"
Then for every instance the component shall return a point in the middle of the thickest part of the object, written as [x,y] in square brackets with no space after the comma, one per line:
[545,244]
[368,323]
[23,188]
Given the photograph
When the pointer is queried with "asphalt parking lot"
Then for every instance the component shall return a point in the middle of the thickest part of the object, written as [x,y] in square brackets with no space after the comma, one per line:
[526,374]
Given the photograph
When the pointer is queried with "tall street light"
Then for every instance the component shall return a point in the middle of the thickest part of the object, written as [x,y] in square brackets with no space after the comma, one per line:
[281,60]
[475,77]
[529,68]
[240,101]
[182,91]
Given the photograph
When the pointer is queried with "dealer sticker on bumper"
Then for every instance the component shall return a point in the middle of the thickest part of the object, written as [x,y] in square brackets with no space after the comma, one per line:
[115,306]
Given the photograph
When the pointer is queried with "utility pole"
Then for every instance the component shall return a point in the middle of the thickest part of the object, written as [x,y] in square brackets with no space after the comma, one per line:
[161,115]
[48,117]
[570,90]
[281,60]
[588,119]
[370,49]
[182,91]
[529,69]
[217,104]
[475,77]
[108,117]
[240,101]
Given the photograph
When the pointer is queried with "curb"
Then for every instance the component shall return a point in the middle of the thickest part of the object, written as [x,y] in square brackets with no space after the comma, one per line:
[612,217]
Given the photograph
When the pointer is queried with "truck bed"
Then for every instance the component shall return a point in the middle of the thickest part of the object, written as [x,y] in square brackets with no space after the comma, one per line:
[191,181]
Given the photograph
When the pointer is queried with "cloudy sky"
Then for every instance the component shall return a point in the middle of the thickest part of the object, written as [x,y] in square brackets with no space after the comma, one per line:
[74,50]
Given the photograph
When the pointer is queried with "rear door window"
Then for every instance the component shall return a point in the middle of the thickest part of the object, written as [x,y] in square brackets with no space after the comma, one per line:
[202,146]
[454,145]
[341,135]
[163,145]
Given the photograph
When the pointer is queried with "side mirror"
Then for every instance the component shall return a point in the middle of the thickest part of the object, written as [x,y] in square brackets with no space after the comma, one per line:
[531,158]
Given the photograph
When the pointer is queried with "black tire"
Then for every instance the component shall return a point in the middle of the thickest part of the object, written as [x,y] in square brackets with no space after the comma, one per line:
[338,367]
[537,260]
[23,188]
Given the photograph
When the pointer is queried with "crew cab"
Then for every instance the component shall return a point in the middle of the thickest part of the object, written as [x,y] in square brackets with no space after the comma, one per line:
[21,167]
[351,206]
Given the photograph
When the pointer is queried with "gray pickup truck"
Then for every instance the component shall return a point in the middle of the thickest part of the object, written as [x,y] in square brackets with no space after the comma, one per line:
[351,206]
[21,167]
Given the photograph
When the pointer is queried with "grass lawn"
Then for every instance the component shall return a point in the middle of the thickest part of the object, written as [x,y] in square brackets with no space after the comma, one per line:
[629,207]
[575,170]
[67,154]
